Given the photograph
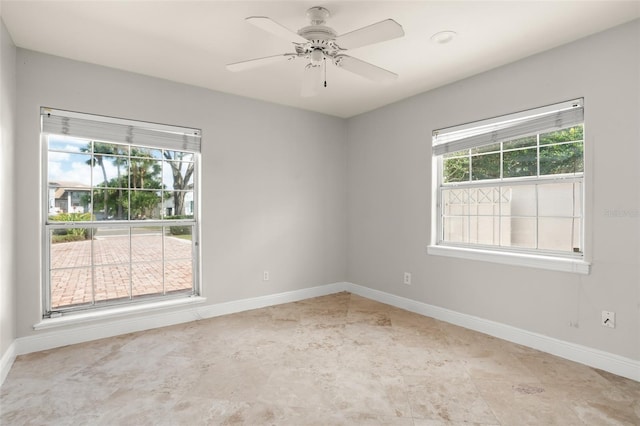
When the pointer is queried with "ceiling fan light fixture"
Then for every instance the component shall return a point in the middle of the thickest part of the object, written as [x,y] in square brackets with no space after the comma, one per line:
[317,56]
[443,37]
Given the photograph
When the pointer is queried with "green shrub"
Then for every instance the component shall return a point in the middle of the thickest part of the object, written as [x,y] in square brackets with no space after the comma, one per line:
[179,230]
[78,233]
[67,238]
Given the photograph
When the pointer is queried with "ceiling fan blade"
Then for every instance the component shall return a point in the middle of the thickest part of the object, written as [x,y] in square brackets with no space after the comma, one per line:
[364,69]
[374,33]
[271,26]
[259,62]
[311,81]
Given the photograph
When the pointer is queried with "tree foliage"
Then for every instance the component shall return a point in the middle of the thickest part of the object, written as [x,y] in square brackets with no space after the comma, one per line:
[136,190]
[550,153]
[182,172]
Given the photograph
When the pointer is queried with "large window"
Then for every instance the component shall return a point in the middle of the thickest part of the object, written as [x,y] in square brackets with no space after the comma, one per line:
[512,185]
[121,211]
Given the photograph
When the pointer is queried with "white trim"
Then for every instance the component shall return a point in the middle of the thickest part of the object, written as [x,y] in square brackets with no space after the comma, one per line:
[6,362]
[81,317]
[612,363]
[271,300]
[89,329]
[596,358]
[579,266]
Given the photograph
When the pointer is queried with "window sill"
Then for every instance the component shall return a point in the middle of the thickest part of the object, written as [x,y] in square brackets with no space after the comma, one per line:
[516,259]
[119,311]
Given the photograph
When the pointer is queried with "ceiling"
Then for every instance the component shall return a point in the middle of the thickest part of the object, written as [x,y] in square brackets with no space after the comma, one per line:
[192,41]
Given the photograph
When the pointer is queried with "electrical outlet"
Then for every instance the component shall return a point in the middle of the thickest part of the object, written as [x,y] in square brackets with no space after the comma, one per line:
[407,278]
[265,276]
[608,319]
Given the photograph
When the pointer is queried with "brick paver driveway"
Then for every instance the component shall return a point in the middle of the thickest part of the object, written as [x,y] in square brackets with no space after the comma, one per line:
[122,268]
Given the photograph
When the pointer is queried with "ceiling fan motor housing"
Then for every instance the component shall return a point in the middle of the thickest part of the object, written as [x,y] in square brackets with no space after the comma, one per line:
[321,38]
[326,47]
[317,32]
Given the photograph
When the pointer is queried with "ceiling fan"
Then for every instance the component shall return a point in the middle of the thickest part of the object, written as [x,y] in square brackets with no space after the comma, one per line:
[317,42]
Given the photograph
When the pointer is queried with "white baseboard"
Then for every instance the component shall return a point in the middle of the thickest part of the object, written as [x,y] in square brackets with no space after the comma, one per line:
[101,328]
[596,358]
[85,332]
[270,300]
[7,361]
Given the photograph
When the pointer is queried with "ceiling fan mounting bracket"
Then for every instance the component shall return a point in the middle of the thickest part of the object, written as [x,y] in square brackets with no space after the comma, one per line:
[318,15]
[317,30]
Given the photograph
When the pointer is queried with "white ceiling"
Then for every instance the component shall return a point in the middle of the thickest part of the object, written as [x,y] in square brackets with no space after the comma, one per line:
[191,41]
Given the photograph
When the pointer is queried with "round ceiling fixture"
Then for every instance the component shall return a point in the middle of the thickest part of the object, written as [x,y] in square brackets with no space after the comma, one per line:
[443,37]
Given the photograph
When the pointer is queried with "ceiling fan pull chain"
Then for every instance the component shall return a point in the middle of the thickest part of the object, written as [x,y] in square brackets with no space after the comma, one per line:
[325,72]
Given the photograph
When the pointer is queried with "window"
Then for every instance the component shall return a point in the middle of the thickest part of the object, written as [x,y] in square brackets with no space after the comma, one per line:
[121,215]
[512,187]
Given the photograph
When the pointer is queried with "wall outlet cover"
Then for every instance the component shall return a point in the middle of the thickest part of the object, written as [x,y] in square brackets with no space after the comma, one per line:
[407,278]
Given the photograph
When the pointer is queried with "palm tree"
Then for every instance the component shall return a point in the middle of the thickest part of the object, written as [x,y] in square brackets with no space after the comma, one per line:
[97,159]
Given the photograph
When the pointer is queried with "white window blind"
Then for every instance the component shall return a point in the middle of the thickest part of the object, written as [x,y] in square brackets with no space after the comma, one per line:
[508,127]
[119,130]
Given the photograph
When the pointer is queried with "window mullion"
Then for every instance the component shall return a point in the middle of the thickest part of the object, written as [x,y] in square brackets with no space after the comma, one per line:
[538,154]
[573,214]
[468,215]
[537,242]
[537,206]
[93,268]
[500,217]
[130,262]
[164,259]
[501,160]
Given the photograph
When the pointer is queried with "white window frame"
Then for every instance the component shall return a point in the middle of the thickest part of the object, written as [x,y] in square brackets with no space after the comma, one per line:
[499,129]
[120,131]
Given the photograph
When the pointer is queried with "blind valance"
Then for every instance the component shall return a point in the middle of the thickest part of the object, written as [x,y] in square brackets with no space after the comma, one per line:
[108,129]
[508,127]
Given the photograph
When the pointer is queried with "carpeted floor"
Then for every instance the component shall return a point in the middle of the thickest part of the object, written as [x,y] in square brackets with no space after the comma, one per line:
[333,360]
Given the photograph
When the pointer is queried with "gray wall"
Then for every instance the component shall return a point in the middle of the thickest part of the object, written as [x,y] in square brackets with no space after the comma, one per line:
[7,188]
[389,181]
[273,195]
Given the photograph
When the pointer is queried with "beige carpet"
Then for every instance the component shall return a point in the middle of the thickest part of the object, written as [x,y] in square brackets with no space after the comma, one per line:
[334,360]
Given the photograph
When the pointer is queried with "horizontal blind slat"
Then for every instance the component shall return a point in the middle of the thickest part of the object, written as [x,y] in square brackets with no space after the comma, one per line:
[447,142]
[145,134]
